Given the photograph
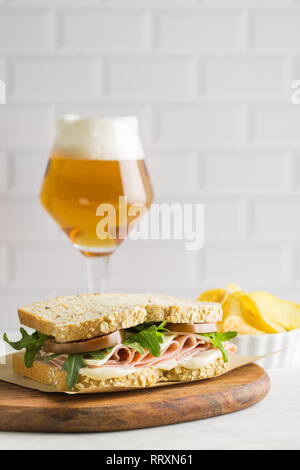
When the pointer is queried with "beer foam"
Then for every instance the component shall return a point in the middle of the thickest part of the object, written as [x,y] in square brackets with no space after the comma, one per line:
[98,138]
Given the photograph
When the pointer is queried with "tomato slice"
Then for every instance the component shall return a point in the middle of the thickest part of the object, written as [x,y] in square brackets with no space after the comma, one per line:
[192,328]
[76,347]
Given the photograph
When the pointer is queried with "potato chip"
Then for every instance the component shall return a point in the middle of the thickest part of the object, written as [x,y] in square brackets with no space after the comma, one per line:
[232,306]
[283,313]
[214,295]
[233,316]
[233,287]
[239,304]
[254,317]
[253,313]
[236,323]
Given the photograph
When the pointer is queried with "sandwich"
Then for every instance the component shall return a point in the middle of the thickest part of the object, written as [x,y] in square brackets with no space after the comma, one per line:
[108,341]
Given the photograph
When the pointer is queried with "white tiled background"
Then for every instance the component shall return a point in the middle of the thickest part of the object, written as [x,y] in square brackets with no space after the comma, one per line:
[211,83]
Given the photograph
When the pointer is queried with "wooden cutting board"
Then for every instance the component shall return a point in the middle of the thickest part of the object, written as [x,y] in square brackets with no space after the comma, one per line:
[23,409]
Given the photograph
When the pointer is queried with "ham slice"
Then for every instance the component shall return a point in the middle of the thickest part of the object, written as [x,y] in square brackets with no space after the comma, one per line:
[56,361]
[181,347]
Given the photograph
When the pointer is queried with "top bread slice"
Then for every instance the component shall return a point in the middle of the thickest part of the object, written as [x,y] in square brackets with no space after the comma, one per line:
[84,316]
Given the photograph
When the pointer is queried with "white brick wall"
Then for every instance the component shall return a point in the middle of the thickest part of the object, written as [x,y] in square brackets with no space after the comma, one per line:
[166,261]
[208,124]
[156,78]
[52,78]
[2,69]
[39,265]
[3,265]
[108,30]
[185,176]
[260,262]
[31,163]
[3,171]
[275,126]
[226,171]
[197,30]
[245,79]
[22,218]
[25,125]
[275,31]
[26,30]
[276,217]
[210,81]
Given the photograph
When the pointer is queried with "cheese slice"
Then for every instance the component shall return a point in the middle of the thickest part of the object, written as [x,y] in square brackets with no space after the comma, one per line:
[196,362]
[103,373]
[100,362]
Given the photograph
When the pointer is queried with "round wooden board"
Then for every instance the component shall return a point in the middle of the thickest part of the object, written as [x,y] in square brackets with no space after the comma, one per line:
[23,409]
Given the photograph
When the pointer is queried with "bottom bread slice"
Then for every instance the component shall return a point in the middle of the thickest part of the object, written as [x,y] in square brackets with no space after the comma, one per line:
[48,374]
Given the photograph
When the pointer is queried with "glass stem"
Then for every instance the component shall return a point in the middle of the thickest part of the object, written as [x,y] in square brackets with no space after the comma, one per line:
[97,270]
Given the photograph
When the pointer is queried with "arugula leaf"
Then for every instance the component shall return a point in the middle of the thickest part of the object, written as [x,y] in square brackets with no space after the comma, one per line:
[100,354]
[135,345]
[161,327]
[51,356]
[32,343]
[96,354]
[72,366]
[226,336]
[150,338]
[217,338]
[142,326]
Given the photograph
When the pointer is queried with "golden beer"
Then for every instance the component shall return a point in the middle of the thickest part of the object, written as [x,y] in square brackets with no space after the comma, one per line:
[78,180]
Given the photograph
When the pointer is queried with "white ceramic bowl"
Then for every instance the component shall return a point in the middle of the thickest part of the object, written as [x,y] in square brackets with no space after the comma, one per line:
[259,345]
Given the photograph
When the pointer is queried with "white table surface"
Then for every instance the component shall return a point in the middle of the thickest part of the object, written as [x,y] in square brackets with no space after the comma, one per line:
[274,423]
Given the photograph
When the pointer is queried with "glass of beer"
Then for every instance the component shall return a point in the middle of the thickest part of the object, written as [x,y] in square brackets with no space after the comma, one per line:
[95,175]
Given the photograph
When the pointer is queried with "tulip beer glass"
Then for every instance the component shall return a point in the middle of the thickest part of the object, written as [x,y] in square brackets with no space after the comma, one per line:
[96,167]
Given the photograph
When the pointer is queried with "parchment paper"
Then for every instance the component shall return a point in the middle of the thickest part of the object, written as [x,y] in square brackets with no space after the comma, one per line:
[8,375]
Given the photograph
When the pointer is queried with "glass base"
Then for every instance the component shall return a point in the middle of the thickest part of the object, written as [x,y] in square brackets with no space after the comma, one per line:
[94,251]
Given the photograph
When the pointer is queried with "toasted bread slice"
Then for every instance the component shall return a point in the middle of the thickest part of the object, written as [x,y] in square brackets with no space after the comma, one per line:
[48,374]
[84,316]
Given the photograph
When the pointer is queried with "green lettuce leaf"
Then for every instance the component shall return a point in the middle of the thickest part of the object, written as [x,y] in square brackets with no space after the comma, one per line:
[51,356]
[72,366]
[75,362]
[136,346]
[32,343]
[100,354]
[149,336]
[217,338]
